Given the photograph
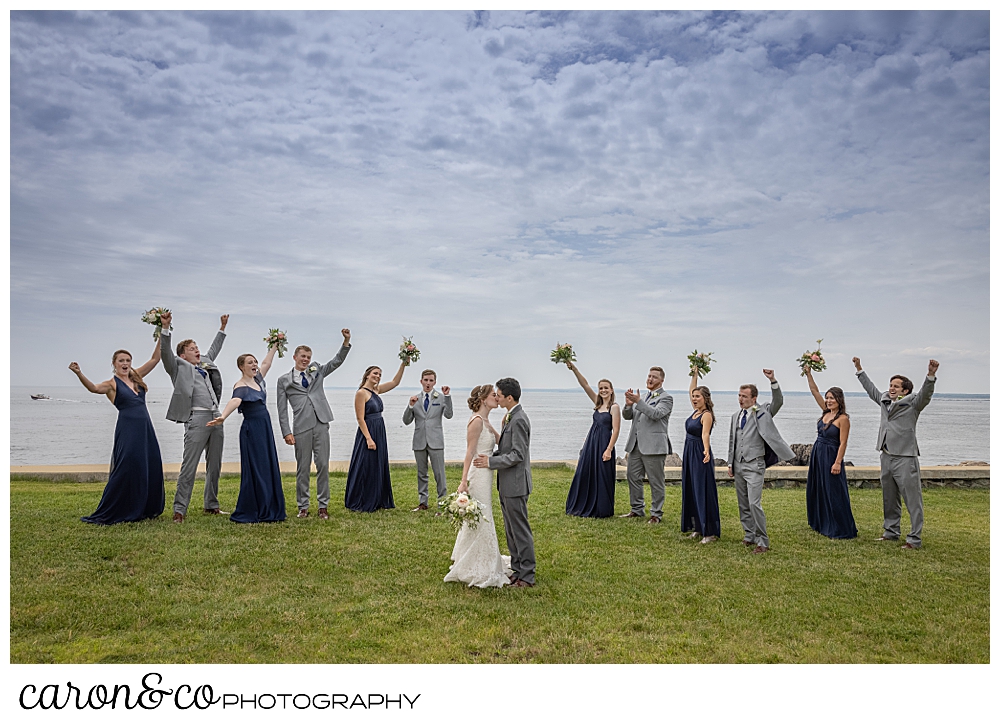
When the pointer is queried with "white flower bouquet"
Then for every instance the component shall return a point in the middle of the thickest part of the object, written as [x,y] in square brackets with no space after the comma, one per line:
[408,351]
[701,362]
[461,508]
[563,353]
[153,317]
[276,338]
[812,360]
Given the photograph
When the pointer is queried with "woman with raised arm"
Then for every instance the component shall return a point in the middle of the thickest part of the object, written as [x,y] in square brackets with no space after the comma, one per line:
[476,555]
[135,482]
[261,499]
[828,504]
[368,485]
[699,496]
[592,492]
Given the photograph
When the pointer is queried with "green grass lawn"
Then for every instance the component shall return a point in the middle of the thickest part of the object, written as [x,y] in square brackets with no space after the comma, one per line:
[368,587]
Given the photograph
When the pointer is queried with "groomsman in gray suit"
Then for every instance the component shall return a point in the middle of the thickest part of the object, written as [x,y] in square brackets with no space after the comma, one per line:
[755,444]
[512,462]
[897,443]
[194,403]
[648,444]
[425,411]
[302,388]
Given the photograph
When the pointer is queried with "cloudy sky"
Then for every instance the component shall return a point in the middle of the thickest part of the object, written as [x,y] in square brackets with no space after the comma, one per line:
[637,184]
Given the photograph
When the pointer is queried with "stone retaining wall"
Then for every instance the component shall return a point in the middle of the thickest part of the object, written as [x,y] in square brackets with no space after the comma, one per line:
[785,476]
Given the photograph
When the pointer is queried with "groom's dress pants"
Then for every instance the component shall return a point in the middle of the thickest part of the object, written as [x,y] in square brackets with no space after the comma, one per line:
[901,475]
[748,477]
[199,438]
[313,445]
[520,542]
[652,466]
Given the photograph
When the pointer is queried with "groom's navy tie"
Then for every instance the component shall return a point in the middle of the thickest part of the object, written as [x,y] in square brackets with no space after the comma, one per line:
[427,401]
[202,372]
[305,382]
[743,420]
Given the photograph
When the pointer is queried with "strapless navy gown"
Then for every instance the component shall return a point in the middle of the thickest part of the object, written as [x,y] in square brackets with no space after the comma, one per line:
[262,499]
[135,482]
[699,496]
[592,492]
[828,504]
[368,485]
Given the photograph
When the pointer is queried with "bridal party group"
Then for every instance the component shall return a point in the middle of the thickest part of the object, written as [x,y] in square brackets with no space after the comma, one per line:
[135,489]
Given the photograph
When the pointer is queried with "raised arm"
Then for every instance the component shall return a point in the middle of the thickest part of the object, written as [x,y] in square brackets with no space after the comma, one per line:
[694,383]
[166,348]
[153,361]
[472,434]
[359,414]
[408,410]
[814,389]
[870,388]
[616,428]
[102,388]
[394,382]
[777,399]
[448,410]
[927,389]
[341,354]
[265,364]
[583,382]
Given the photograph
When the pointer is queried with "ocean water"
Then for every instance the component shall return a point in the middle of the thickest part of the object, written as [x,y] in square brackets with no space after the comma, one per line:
[77,427]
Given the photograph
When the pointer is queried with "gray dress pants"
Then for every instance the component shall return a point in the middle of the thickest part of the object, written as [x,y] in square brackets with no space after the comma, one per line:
[437,464]
[749,480]
[901,476]
[313,445]
[520,542]
[199,438]
[652,466]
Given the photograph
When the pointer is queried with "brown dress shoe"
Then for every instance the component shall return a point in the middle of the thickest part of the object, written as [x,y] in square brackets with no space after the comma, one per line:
[760,549]
[178,517]
[215,511]
[323,515]
[653,519]
[303,513]
[422,506]
[909,547]
[883,539]
[748,543]
[632,515]
[522,584]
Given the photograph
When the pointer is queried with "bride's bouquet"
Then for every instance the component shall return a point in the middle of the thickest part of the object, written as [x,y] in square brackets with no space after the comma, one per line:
[563,353]
[461,508]
[276,338]
[408,351]
[153,317]
[812,360]
[701,362]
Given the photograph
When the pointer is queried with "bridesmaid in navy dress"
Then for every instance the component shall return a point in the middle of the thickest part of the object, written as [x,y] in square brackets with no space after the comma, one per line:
[368,485]
[135,482]
[592,492]
[261,498]
[699,496]
[828,504]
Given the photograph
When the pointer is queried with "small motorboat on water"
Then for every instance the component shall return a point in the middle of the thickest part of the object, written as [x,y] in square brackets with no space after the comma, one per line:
[40,397]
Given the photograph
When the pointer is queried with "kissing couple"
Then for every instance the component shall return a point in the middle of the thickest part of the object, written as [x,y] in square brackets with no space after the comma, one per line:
[476,556]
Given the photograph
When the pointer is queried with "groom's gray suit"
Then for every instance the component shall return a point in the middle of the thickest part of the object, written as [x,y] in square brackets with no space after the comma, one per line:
[311,417]
[428,439]
[754,444]
[648,444]
[195,404]
[897,443]
[513,465]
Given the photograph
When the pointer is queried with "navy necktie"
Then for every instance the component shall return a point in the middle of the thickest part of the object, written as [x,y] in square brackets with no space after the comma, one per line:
[202,372]
[648,395]
[305,382]
[743,420]
[427,401]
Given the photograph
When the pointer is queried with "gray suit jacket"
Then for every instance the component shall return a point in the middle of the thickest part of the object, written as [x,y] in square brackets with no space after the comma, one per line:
[649,424]
[428,431]
[511,459]
[182,374]
[760,436]
[309,406]
[897,430]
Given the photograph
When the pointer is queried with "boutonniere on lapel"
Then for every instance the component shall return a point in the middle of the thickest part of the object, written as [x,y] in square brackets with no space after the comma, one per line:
[434,395]
[753,410]
[506,419]
[311,369]
[656,394]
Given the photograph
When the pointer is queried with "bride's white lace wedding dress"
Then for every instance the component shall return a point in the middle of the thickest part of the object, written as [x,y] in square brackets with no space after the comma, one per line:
[476,556]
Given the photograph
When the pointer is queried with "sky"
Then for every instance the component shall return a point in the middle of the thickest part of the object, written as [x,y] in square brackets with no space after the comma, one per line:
[637,184]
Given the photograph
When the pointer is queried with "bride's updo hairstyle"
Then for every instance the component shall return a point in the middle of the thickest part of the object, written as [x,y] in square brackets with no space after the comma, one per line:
[478,395]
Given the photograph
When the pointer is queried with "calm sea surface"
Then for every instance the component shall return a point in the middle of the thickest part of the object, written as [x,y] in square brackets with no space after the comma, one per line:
[77,427]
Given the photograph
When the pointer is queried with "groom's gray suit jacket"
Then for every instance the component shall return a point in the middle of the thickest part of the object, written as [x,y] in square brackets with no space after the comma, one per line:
[512,460]
[649,424]
[309,405]
[897,430]
[428,430]
[760,436]
[182,374]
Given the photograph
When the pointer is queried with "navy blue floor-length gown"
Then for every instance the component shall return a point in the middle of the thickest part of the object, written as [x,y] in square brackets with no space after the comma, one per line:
[368,485]
[592,492]
[828,504]
[699,496]
[135,482]
[261,498]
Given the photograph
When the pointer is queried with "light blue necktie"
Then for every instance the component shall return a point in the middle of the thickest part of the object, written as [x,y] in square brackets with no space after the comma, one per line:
[427,401]
[305,382]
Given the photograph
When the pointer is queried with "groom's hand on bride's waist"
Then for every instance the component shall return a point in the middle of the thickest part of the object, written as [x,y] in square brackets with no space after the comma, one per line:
[481,461]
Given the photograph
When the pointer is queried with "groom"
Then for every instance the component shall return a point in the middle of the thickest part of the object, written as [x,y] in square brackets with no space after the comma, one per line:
[513,465]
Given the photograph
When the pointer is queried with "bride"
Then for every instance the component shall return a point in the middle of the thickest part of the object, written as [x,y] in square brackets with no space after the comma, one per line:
[476,556]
